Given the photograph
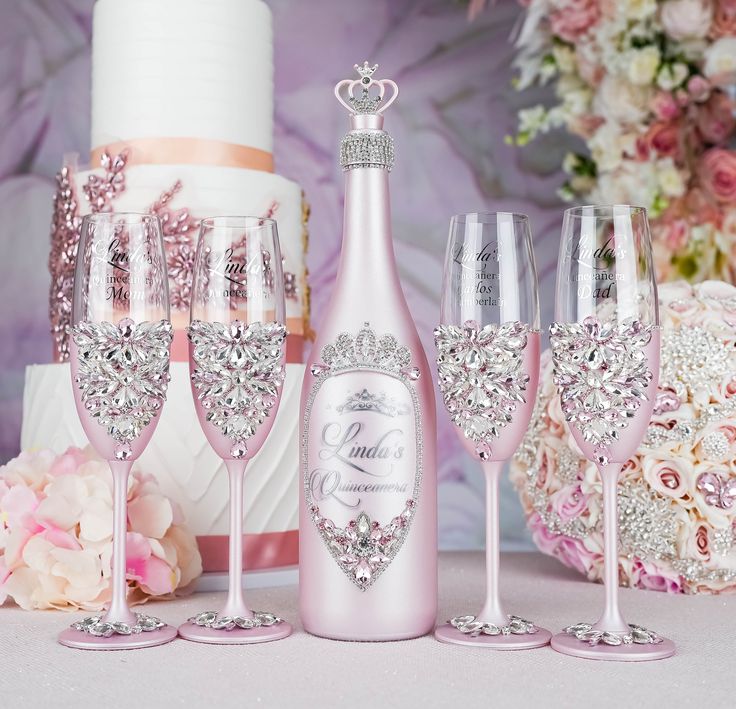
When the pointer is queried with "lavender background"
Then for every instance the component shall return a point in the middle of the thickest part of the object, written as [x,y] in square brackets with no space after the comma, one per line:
[456,106]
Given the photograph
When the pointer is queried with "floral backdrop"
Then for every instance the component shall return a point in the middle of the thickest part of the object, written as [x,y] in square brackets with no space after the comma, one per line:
[457,106]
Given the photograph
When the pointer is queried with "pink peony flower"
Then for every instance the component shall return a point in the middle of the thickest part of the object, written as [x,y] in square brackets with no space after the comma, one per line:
[665,139]
[715,118]
[718,174]
[573,18]
[56,534]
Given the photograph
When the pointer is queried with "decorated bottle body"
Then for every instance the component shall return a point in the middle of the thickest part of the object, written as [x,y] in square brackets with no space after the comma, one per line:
[368,509]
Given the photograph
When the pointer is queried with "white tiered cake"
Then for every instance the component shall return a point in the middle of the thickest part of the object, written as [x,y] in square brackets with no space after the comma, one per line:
[182,125]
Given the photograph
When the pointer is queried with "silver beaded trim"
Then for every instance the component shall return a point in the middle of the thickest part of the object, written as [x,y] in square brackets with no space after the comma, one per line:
[367,149]
[636,635]
[94,625]
[469,625]
[210,619]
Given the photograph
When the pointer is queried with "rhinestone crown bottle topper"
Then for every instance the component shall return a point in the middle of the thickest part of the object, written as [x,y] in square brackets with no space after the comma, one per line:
[368,512]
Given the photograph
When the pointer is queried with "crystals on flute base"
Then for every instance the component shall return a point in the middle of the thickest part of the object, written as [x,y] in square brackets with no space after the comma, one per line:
[602,372]
[364,548]
[123,374]
[211,619]
[585,632]
[481,377]
[238,372]
[470,625]
[96,626]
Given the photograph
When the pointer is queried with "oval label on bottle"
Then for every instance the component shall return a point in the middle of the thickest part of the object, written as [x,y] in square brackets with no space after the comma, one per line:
[362,447]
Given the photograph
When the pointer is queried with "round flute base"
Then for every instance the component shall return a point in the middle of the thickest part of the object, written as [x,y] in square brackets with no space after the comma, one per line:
[80,640]
[597,649]
[211,627]
[519,634]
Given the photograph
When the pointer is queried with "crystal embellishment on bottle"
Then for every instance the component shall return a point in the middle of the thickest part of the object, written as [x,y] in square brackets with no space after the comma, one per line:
[364,548]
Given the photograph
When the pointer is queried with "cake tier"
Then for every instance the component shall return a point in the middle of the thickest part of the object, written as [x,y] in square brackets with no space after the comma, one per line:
[182,69]
[210,192]
[187,468]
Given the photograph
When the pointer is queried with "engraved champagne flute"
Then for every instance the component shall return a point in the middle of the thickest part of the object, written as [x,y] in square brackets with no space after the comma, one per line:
[488,366]
[237,337]
[605,348]
[119,354]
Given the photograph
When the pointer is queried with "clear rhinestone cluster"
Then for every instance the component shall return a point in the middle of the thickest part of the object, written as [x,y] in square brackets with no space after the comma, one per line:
[378,403]
[238,370]
[692,358]
[647,523]
[470,625]
[210,619]
[367,149]
[123,374]
[602,372]
[364,548]
[481,377]
[637,635]
[100,628]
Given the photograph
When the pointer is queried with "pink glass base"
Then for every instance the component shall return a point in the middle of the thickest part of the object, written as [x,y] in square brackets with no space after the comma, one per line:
[569,645]
[236,636]
[448,634]
[84,641]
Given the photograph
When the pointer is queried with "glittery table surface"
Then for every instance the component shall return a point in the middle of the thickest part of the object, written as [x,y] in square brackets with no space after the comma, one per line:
[307,671]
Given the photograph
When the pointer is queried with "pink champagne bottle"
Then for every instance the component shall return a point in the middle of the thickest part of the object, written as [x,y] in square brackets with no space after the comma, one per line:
[368,503]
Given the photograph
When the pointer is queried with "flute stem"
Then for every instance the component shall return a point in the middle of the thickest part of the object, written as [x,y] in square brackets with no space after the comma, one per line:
[492,611]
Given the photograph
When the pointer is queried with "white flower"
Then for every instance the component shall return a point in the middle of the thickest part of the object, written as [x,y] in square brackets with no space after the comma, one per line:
[686,19]
[564,58]
[632,182]
[570,163]
[643,64]
[637,9]
[531,120]
[671,180]
[720,59]
[605,147]
[621,101]
[671,76]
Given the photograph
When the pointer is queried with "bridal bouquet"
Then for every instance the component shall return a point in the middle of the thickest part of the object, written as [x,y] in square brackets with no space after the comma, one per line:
[650,87]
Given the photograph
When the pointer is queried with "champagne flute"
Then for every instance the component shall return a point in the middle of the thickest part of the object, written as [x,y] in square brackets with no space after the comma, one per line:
[120,341]
[488,365]
[605,347]
[237,337]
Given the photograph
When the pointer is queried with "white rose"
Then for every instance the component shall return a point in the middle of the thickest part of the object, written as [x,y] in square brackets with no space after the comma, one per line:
[720,59]
[686,19]
[671,76]
[671,180]
[564,58]
[632,183]
[638,9]
[605,147]
[642,65]
[621,101]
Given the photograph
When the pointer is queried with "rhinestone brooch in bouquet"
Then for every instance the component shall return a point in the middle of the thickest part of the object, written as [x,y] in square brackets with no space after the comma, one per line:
[488,365]
[237,337]
[119,353]
[605,349]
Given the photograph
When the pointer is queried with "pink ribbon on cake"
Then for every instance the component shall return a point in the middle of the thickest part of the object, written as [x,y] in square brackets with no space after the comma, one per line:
[194,151]
[260,551]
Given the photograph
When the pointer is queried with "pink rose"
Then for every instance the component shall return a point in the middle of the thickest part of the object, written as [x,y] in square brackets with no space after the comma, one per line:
[676,234]
[574,18]
[670,477]
[698,87]
[664,106]
[569,502]
[686,19]
[718,174]
[665,139]
[724,19]
[715,119]
[647,575]
[571,552]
